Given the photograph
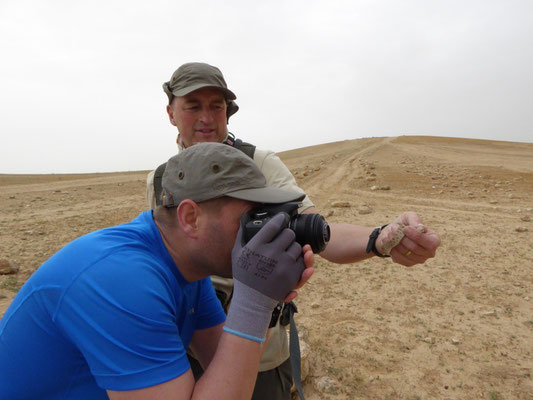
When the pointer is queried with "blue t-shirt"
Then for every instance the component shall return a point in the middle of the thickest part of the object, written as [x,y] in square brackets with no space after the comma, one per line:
[108,311]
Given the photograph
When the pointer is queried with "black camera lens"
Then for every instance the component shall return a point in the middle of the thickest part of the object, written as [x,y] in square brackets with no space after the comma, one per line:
[311,229]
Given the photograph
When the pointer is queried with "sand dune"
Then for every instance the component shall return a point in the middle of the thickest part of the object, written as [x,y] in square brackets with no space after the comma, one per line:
[458,327]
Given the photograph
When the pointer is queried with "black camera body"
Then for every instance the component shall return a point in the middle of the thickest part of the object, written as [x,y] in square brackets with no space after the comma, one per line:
[310,229]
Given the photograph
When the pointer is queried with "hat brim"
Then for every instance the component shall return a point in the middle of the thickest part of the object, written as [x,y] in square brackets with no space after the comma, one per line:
[228,94]
[267,195]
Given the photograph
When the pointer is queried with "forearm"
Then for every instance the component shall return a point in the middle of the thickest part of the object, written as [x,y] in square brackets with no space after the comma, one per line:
[232,371]
[347,243]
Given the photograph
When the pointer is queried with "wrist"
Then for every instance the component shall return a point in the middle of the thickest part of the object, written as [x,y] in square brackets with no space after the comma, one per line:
[250,313]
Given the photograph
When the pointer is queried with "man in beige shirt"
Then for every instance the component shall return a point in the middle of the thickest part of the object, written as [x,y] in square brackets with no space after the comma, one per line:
[200,105]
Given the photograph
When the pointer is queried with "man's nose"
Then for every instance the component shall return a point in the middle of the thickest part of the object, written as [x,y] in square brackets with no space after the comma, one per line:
[206,116]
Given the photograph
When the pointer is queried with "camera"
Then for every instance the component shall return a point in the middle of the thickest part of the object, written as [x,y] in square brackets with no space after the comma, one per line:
[310,229]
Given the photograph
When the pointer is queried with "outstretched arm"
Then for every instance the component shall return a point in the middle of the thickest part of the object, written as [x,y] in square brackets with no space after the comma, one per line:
[348,242]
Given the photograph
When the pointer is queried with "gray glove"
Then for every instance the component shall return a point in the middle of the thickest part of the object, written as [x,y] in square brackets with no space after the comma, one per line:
[265,270]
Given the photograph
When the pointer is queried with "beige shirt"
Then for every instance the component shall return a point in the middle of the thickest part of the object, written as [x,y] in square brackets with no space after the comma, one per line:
[277,175]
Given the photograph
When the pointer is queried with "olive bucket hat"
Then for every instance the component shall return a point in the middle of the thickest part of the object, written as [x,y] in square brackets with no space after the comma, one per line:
[195,75]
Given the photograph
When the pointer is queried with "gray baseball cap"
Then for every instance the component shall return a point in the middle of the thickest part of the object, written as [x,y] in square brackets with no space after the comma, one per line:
[208,171]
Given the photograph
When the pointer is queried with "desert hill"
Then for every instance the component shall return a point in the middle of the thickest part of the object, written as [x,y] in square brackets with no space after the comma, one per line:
[458,327]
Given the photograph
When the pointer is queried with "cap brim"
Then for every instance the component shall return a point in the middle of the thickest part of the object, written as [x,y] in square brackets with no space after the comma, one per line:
[266,195]
[185,91]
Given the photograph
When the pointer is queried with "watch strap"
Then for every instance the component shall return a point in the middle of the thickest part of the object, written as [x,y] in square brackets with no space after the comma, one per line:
[371,245]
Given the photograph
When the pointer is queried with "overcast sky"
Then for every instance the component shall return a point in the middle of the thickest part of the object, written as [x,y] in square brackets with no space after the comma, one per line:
[80,81]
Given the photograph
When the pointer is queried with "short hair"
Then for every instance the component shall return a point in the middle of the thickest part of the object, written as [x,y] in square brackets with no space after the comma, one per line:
[167,216]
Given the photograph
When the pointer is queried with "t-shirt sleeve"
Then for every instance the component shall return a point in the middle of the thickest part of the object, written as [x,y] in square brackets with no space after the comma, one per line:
[210,312]
[123,319]
[278,175]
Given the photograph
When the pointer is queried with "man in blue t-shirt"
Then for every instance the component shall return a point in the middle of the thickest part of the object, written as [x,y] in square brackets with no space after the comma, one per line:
[112,314]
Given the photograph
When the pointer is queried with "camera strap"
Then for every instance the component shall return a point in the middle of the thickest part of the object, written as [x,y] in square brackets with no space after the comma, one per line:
[284,313]
[246,148]
[294,349]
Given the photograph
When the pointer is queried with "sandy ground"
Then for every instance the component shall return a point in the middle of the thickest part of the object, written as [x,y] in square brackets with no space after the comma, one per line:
[458,327]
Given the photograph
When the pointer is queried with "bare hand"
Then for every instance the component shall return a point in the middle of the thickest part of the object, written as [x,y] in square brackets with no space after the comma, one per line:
[418,244]
[309,260]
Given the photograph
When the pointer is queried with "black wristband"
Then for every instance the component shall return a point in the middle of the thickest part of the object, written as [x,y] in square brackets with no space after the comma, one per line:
[371,245]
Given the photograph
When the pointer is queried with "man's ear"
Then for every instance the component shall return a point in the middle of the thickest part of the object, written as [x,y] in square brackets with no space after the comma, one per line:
[170,112]
[189,215]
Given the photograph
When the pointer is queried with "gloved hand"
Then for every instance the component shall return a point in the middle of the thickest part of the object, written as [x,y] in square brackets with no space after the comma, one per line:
[265,270]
